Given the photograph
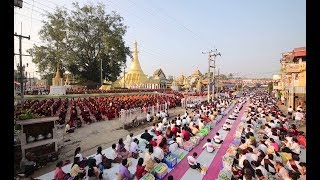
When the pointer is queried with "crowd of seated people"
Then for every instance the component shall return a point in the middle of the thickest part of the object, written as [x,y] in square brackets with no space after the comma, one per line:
[44,107]
[164,137]
[98,91]
[271,144]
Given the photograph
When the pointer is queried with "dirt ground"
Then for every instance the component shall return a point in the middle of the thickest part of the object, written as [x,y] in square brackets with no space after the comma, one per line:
[89,137]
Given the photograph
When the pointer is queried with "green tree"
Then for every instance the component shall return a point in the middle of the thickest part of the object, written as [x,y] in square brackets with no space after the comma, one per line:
[80,40]
[230,76]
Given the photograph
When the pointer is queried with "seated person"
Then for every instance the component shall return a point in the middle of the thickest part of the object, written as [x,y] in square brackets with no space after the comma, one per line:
[140,169]
[149,161]
[159,153]
[122,150]
[195,130]
[68,129]
[76,171]
[134,148]
[173,145]
[175,130]
[115,156]
[226,127]
[146,135]
[28,165]
[59,174]
[217,138]
[94,173]
[193,162]
[209,146]
[186,134]
[179,140]
[169,133]
[124,172]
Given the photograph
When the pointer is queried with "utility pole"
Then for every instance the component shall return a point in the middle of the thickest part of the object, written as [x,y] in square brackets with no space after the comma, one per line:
[209,73]
[20,66]
[212,57]
[215,54]
[218,85]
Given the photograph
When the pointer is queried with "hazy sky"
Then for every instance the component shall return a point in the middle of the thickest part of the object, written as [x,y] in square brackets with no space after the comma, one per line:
[250,35]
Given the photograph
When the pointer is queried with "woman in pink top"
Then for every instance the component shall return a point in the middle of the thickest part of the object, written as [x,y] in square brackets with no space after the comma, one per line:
[59,174]
[274,144]
[159,138]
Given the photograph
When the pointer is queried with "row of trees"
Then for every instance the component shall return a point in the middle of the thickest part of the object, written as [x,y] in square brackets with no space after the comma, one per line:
[80,40]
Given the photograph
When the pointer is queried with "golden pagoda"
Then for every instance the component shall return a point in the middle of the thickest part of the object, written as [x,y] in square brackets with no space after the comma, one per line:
[106,85]
[67,82]
[57,80]
[135,77]
[196,73]
[199,85]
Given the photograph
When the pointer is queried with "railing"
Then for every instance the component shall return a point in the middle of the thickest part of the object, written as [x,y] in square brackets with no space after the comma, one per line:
[126,116]
[300,89]
[192,99]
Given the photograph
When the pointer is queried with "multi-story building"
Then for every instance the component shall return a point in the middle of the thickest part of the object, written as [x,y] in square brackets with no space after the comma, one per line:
[293,77]
[277,85]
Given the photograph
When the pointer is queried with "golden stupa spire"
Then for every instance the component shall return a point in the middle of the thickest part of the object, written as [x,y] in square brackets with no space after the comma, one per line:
[135,67]
[135,76]
[58,75]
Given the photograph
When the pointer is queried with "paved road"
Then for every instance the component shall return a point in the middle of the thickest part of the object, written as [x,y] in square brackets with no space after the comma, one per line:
[89,137]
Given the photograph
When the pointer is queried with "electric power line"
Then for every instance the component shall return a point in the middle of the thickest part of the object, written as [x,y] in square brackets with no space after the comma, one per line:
[29,17]
[42,4]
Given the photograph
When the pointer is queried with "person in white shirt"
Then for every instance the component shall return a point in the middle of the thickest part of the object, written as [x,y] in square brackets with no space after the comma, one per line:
[160,125]
[67,129]
[164,121]
[184,121]
[272,124]
[298,116]
[209,146]
[148,117]
[99,157]
[188,119]
[173,124]
[193,162]
[217,139]
[128,141]
[226,127]
[158,115]
[251,156]
[295,147]
[263,147]
[173,145]
[159,153]
[178,122]
[242,157]
[134,148]
[179,140]
[290,110]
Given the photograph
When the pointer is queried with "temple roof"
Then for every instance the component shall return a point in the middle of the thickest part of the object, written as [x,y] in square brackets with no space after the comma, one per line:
[197,72]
